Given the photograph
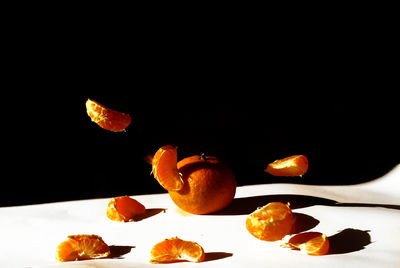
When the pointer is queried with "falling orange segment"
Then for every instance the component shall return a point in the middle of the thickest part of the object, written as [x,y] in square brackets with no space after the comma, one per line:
[311,243]
[107,118]
[82,247]
[124,209]
[164,168]
[271,222]
[292,166]
[175,249]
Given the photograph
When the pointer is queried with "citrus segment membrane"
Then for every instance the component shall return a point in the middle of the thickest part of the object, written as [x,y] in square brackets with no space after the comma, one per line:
[107,118]
[164,168]
[176,249]
[311,243]
[124,209]
[292,166]
[82,247]
[271,222]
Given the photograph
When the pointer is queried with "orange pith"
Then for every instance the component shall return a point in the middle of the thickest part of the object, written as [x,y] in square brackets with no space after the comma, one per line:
[209,185]
[82,247]
[107,118]
[292,166]
[124,208]
[164,168]
[175,249]
[271,222]
[311,243]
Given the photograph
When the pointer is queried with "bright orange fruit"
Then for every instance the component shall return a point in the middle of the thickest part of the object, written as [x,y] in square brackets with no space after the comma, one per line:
[82,247]
[311,243]
[107,118]
[124,208]
[292,166]
[271,222]
[209,185]
[175,249]
[165,170]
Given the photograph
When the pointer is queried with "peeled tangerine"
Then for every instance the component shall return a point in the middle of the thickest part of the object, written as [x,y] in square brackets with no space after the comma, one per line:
[292,166]
[82,247]
[124,208]
[311,243]
[271,222]
[175,249]
[107,118]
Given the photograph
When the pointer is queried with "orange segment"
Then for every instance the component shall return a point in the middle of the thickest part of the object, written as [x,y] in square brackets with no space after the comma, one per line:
[165,169]
[311,243]
[107,118]
[271,222]
[82,247]
[175,249]
[292,166]
[124,208]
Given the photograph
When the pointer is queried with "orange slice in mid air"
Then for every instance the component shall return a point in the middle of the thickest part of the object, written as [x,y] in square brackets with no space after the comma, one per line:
[271,222]
[107,118]
[164,168]
[311,243]
[124,208]
[292,166]
[175,249]
[82,247]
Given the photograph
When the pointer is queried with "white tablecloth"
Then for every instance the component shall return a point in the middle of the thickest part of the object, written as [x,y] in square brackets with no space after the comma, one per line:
[362,222]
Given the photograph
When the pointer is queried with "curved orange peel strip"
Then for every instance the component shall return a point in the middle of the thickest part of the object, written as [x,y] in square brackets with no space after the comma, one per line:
[164,168]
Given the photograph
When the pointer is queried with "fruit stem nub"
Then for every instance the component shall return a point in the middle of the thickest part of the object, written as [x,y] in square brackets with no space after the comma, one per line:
[203,156]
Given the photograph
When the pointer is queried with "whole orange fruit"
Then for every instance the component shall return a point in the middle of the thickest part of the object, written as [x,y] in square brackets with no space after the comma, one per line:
[209,185]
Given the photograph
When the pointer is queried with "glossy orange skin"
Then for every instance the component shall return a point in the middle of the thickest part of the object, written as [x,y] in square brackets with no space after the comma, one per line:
[209,185]
[292,166]
[107,118]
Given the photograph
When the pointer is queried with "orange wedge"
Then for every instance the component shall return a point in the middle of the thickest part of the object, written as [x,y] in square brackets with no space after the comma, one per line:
[82,247]
[271,222]
[175,249]
[107,118]
[124,208]
[292,166]
[311,243]
[165,169]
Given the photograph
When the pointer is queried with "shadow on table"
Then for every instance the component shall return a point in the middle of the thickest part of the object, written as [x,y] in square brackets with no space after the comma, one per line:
[149,213]
[212,256]
[246,205]
[116,252]
[348,240]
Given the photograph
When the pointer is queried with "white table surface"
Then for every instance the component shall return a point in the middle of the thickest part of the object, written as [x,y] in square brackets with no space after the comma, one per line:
[369,214]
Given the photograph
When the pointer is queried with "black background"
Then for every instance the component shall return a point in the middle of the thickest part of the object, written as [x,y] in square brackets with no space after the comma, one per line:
[248,96]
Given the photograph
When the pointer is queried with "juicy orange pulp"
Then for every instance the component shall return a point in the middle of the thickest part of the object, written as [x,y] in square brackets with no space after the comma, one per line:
[292,166]
[82,247]
[165,170]
[175,249]
[271,222]
[124,208]
[107,118]
[311,243]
